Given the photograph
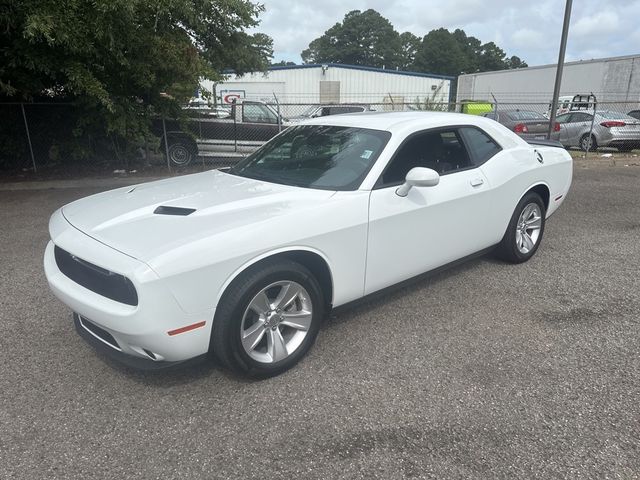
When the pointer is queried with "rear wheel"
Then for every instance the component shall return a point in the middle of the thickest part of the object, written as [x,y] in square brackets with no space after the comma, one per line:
[268,319]
[524,233]
[588,143]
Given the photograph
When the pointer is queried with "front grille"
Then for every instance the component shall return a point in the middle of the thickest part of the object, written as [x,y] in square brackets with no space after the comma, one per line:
[103,282]
[101,333]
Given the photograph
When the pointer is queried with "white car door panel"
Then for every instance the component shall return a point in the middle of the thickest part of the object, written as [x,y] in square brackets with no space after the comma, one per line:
[430,227]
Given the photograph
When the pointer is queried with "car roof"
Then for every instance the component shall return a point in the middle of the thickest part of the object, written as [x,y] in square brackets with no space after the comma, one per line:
[405,123]
[395,121]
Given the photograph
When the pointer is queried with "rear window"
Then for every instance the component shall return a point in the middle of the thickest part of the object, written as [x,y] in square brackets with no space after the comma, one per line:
[526,116]
[615,115]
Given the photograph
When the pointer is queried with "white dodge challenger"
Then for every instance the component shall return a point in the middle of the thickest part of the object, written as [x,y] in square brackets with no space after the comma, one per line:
[245,263]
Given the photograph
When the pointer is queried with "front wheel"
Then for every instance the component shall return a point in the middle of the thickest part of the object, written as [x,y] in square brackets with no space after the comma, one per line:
[268,319]
[524,233]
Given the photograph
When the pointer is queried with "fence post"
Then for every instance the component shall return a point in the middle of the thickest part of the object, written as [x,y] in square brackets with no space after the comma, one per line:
[278,112]
[26,126]
[593,118]
[496,103]
[166,143]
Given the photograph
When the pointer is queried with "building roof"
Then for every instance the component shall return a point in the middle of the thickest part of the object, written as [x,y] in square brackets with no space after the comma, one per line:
[362,68]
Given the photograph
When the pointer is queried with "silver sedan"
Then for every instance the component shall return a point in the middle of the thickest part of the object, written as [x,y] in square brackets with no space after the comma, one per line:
[610,129]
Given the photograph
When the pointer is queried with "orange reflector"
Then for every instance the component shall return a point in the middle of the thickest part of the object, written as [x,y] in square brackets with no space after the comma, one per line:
[186,329]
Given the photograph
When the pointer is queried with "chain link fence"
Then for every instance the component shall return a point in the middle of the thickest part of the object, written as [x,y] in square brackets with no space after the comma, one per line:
[45,138]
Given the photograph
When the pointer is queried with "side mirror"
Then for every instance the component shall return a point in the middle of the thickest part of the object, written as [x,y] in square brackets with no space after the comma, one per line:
[418,177]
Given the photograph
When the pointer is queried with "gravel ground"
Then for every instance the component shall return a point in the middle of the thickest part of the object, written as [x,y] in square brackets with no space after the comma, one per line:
[485,371]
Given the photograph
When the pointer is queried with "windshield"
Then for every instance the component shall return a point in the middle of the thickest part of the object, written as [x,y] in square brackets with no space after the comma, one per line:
[316,156]
[307,112]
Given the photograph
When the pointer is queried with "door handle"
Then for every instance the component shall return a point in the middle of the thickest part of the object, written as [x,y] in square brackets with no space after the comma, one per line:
[476,182]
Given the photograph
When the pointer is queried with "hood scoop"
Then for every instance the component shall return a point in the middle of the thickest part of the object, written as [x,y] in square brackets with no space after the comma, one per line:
[179,211]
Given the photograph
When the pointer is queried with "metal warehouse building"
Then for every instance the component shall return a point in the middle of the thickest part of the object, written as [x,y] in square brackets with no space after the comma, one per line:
[615,79]
[335,83]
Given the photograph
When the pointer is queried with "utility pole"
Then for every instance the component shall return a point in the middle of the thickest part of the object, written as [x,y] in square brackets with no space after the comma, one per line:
[563,48]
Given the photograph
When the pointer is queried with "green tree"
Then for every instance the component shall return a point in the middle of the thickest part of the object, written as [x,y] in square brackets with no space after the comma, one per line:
[121,60]
[441,53]
[455,53]
[410,46]
[282,63]
[516,62]
[363,38]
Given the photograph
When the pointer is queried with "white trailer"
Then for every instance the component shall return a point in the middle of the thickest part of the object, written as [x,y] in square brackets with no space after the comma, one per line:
[615,79]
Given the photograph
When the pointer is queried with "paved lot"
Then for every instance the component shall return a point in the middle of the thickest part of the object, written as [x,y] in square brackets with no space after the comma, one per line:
[485,371]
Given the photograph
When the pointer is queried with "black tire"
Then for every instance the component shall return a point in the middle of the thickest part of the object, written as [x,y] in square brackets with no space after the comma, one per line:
[584,143]
[507,249]
[181,151]
[226,342]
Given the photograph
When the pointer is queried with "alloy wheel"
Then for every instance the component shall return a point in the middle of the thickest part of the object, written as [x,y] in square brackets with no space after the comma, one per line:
[528,228]
[276,322]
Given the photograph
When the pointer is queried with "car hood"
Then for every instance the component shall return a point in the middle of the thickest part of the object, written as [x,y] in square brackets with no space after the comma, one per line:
[129,219]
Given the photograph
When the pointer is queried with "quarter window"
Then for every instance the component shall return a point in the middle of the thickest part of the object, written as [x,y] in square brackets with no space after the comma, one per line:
[481,146]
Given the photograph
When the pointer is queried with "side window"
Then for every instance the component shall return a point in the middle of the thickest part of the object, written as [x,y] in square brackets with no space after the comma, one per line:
[351,109]
[440,150]
[581,117]
[256,113]
[480,145]
[566,118]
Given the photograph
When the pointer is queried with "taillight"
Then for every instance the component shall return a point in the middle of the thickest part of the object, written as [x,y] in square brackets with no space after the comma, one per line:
[520,128]
[556,127]
[613,123]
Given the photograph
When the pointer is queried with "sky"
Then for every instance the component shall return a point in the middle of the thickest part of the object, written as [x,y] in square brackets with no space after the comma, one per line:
[529,29]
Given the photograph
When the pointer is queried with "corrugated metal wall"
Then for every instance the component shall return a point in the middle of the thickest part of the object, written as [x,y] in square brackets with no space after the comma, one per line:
[615,79]
[302,85]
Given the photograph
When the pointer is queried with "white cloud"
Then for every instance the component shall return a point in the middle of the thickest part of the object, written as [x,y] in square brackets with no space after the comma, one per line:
[530,30]
[528,38]
[601,23]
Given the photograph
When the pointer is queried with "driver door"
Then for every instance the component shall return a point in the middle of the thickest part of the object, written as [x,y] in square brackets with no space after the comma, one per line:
[431,226]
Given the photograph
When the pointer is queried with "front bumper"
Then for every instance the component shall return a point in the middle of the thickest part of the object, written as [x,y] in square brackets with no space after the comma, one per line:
[141,331]
[132,361]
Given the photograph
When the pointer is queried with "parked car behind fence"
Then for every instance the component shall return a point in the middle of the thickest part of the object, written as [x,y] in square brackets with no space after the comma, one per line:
[610,129]
[526,123]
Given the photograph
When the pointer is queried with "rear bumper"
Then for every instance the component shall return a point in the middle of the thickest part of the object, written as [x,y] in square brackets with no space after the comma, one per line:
[138,363]
[607,138]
